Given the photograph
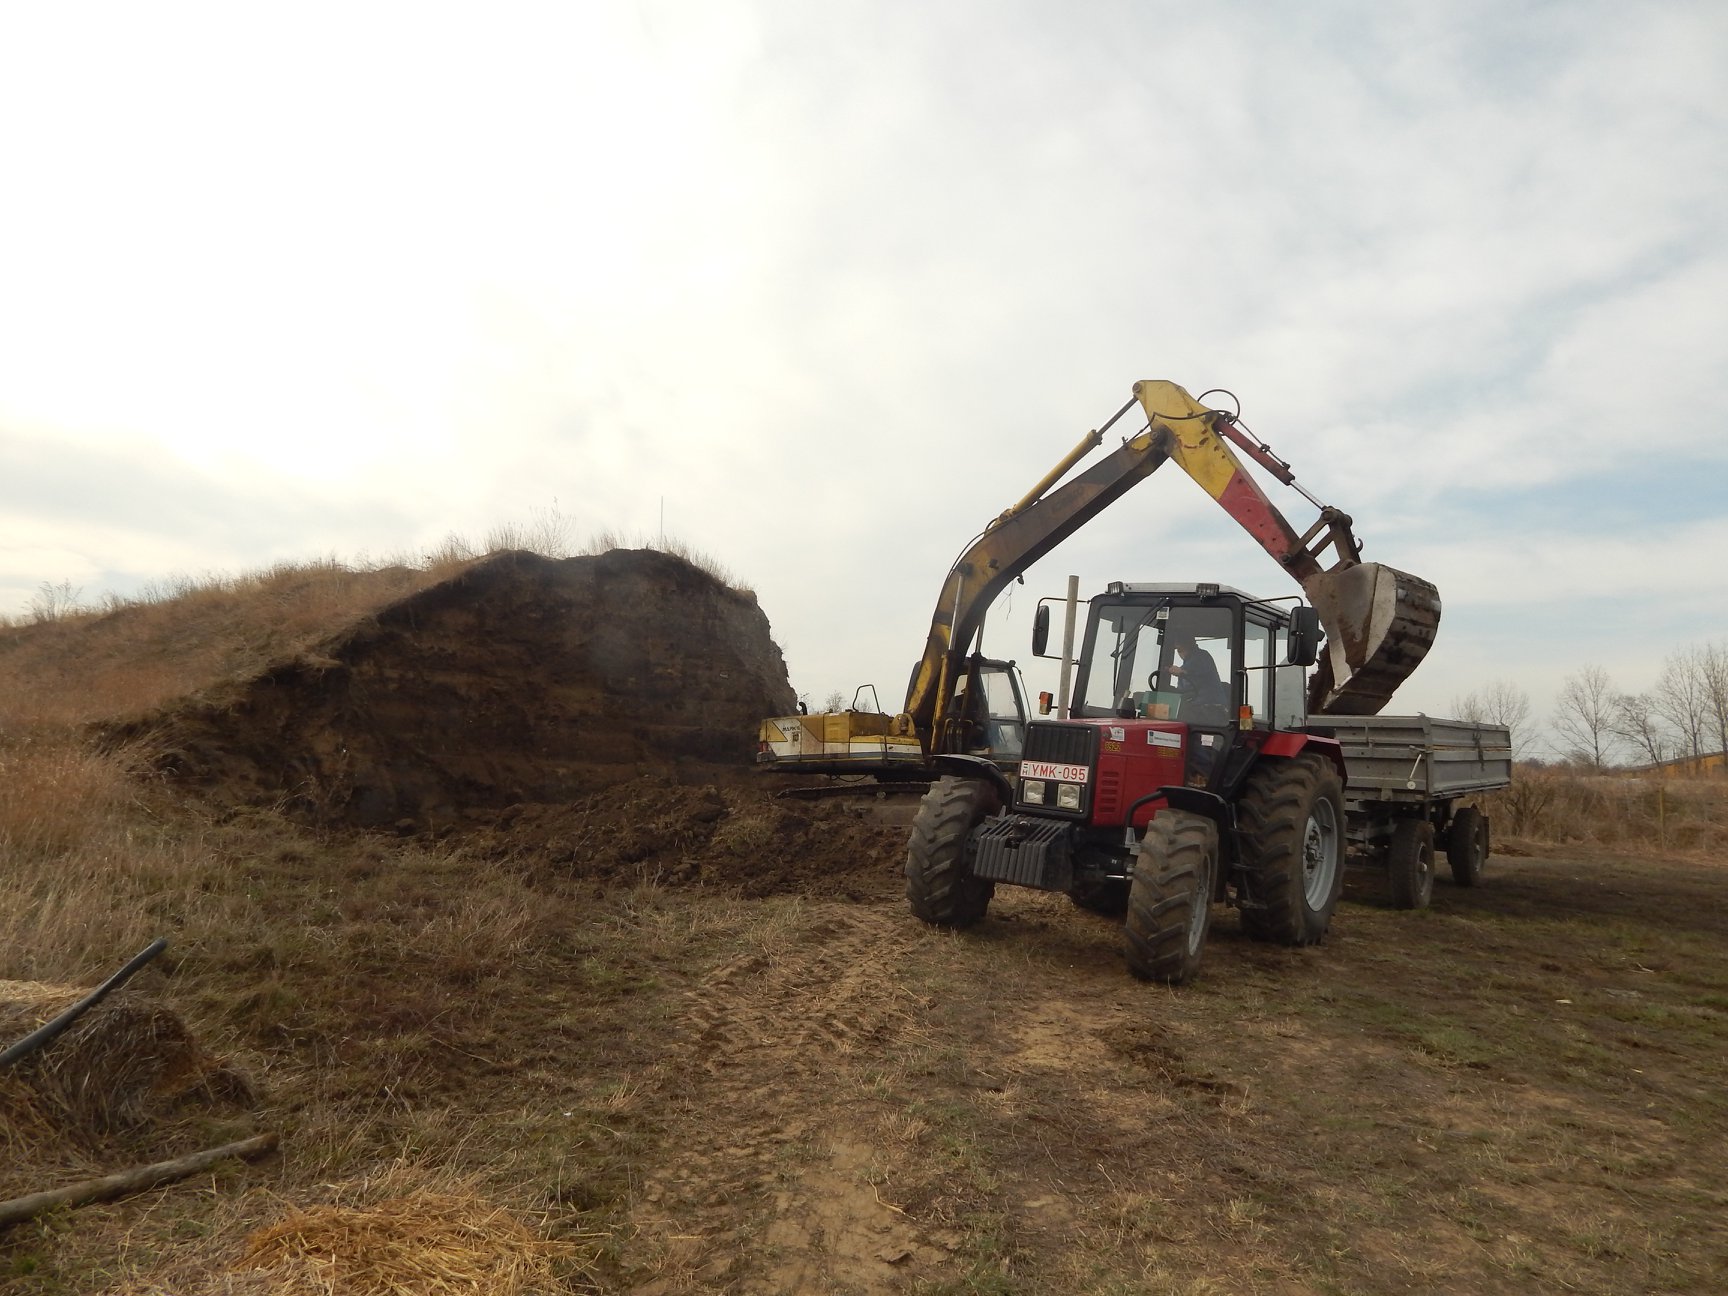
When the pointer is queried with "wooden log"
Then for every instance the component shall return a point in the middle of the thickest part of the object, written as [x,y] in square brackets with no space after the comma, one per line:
[129,1181]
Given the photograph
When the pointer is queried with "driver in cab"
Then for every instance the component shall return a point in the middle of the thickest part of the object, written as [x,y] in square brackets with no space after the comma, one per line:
[1196,674]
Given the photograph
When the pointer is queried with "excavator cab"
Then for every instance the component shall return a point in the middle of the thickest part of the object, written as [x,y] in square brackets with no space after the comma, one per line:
[986,713]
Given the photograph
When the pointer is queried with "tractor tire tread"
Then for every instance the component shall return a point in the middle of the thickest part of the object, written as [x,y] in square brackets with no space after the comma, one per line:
[1175,869]
[1272,819]
[939,889]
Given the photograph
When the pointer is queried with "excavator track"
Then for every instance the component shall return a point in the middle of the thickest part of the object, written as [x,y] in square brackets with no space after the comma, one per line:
[1380,623]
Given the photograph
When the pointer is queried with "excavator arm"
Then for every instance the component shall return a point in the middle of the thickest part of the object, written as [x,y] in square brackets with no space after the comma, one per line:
[1379,622]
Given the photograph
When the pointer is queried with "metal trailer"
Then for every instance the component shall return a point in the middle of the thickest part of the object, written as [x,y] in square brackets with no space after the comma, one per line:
[1406,776]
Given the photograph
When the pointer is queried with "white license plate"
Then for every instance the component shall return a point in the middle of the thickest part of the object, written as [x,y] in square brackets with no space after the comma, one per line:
[1051,770]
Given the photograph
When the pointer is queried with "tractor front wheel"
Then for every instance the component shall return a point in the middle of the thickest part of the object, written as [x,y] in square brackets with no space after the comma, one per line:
[1170,898]
[939,886]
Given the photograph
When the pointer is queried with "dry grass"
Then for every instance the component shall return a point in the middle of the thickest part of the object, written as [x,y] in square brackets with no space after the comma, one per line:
[604,541]
[106,1072]
[445,1238]
[93,871]
[1626,812]
[136,656]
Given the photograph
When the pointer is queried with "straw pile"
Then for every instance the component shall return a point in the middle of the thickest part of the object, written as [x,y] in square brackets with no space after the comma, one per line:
[451,1242]
[125,1060]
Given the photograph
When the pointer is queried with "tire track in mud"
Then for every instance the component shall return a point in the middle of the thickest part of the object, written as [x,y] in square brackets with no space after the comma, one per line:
[767,1185]
[831,992]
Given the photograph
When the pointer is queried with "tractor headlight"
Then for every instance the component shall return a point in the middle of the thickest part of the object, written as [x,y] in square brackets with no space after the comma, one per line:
[1067,796]
[1032,790]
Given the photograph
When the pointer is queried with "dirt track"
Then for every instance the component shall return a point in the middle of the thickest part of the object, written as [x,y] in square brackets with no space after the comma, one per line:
[1504,1094]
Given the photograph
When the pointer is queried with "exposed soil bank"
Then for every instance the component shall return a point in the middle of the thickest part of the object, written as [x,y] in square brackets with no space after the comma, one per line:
[523,679]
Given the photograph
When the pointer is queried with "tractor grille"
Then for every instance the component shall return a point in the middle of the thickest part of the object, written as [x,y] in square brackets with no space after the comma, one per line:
[1065,744]
[1107,799]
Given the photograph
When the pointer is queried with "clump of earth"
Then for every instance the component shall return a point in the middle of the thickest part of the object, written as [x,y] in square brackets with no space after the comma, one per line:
[521,680]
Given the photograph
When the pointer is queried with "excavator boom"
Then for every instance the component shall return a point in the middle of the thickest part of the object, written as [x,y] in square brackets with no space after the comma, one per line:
[1379,622]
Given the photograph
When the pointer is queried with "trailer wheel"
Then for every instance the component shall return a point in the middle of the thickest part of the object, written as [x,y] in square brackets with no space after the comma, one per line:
[1290,819]
[1467,846]
[1170,897]
[1410,864]
[938,886]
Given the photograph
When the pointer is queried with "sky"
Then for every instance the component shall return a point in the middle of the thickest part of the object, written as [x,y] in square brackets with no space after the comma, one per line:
[819,289]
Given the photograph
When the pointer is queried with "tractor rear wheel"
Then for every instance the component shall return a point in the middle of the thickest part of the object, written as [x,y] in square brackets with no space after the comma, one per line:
[1467,846]
[939,886]
[1290,819]
[1410,864]
[1170,898]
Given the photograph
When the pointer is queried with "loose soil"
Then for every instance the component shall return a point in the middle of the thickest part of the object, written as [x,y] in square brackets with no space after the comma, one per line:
[521,679]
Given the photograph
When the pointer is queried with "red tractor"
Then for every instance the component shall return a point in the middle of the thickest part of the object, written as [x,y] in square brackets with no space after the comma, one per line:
[1183,776]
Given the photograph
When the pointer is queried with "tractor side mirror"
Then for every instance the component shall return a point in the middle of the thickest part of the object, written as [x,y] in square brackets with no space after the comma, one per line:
[1305,635]
[1040,629]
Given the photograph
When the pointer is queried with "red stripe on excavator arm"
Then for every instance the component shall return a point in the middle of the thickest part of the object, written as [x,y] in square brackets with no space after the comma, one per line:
[1245,502]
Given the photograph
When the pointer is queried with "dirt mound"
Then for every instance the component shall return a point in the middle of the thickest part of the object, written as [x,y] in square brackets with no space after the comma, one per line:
[737,837]
[521,679]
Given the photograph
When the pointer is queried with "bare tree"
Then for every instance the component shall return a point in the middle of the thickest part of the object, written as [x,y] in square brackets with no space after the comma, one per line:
[1584,716]
[1682,700]
[1713,676]
[835,701]
[1639,723]
[1499,702]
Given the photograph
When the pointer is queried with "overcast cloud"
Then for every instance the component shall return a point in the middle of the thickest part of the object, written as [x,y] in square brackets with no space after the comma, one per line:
[831,285]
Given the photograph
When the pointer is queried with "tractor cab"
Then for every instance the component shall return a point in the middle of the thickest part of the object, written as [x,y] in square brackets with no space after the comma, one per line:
[1178,686]
[1205,666]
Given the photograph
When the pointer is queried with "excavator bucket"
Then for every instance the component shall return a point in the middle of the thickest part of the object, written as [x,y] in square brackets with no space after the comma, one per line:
[1380,623]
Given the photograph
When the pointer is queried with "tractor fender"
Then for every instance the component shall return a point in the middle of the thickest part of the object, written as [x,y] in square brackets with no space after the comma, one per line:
[1197,801]
[1287,744]
[975,767]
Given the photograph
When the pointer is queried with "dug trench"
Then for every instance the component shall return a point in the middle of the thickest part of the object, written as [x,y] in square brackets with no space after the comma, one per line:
[690,1033]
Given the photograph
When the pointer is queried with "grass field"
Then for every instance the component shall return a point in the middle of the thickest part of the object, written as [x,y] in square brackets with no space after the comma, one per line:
[1518,1089]
[654,1084]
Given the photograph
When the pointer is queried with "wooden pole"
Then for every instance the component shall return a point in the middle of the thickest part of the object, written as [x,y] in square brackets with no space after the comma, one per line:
[129,1181]
[46,1034]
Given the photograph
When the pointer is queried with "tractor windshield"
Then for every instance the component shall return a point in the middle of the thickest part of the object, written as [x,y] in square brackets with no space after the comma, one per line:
[1160,661]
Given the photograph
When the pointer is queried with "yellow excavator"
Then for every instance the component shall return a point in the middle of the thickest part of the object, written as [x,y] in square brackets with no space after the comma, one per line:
[1379,622]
